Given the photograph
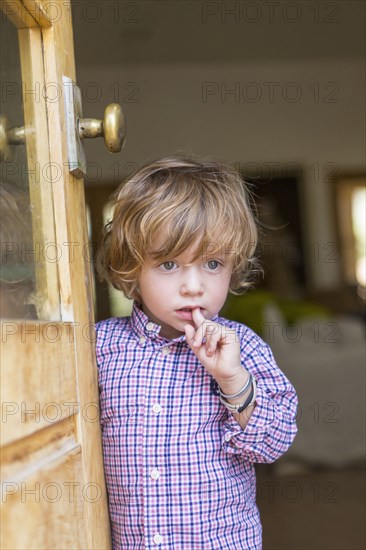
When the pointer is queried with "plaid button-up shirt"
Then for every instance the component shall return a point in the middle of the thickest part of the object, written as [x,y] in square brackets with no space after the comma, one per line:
[179,468]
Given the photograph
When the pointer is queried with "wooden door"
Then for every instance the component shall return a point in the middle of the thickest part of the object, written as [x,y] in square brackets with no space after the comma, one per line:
[53,491]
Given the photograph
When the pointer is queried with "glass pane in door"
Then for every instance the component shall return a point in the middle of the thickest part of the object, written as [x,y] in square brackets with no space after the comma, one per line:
[28,263]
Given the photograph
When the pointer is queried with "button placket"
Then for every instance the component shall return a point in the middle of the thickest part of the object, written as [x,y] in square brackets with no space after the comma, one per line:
[155,469]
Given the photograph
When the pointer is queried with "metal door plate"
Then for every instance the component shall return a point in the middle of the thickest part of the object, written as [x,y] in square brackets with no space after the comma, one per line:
[73,111]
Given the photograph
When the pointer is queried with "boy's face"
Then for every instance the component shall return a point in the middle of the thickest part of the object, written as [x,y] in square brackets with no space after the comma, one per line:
[167,288]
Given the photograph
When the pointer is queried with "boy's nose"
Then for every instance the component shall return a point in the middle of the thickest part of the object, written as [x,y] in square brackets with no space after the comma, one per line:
[192,282]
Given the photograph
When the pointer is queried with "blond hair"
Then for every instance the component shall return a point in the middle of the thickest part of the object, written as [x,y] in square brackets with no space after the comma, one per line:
[190,201]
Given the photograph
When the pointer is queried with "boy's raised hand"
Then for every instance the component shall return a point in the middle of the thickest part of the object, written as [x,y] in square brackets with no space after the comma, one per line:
[220,353]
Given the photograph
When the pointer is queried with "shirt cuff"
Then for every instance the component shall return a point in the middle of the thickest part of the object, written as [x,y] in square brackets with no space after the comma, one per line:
[236,439]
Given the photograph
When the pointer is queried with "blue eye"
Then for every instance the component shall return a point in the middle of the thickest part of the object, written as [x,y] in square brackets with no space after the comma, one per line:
[213,264]
[168,266]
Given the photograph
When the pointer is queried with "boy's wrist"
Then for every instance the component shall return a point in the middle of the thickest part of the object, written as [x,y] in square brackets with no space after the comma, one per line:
[233,385]
[237,407]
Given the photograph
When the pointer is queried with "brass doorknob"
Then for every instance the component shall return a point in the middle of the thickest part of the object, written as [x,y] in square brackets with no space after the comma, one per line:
[9,136]
[112,128]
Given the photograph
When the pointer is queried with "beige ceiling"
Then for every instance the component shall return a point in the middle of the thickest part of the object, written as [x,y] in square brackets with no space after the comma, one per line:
[194,31]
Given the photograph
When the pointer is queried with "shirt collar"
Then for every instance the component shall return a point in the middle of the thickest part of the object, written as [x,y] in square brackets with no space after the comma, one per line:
[142,325]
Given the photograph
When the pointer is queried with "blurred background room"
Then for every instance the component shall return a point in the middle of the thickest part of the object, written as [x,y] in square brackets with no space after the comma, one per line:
[277,90]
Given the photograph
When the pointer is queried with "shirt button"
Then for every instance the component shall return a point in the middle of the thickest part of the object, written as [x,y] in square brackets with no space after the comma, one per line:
[155,474]
[142,340]
[150,326]
[156,408]
[165,351]
[227,437]
[158,539]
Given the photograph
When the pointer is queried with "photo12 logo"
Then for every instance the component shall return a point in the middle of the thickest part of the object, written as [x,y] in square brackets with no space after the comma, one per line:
[270,92]
[88,11]
[270,12]
[50,492]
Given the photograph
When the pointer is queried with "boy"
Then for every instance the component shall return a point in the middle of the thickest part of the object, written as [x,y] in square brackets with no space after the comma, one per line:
[189,400]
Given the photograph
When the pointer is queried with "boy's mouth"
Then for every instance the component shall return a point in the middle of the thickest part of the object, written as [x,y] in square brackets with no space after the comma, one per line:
[186,312]
[189,308]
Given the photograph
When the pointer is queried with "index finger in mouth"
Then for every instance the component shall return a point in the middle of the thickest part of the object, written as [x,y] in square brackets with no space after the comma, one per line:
[198,318]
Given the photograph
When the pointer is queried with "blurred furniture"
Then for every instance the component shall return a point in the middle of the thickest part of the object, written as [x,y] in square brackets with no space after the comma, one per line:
[325,361]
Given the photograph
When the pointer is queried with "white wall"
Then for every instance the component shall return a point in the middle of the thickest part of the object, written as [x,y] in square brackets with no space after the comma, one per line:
[168,111]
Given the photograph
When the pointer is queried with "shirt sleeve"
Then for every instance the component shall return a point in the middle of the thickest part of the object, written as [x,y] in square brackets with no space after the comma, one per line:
[272,426]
